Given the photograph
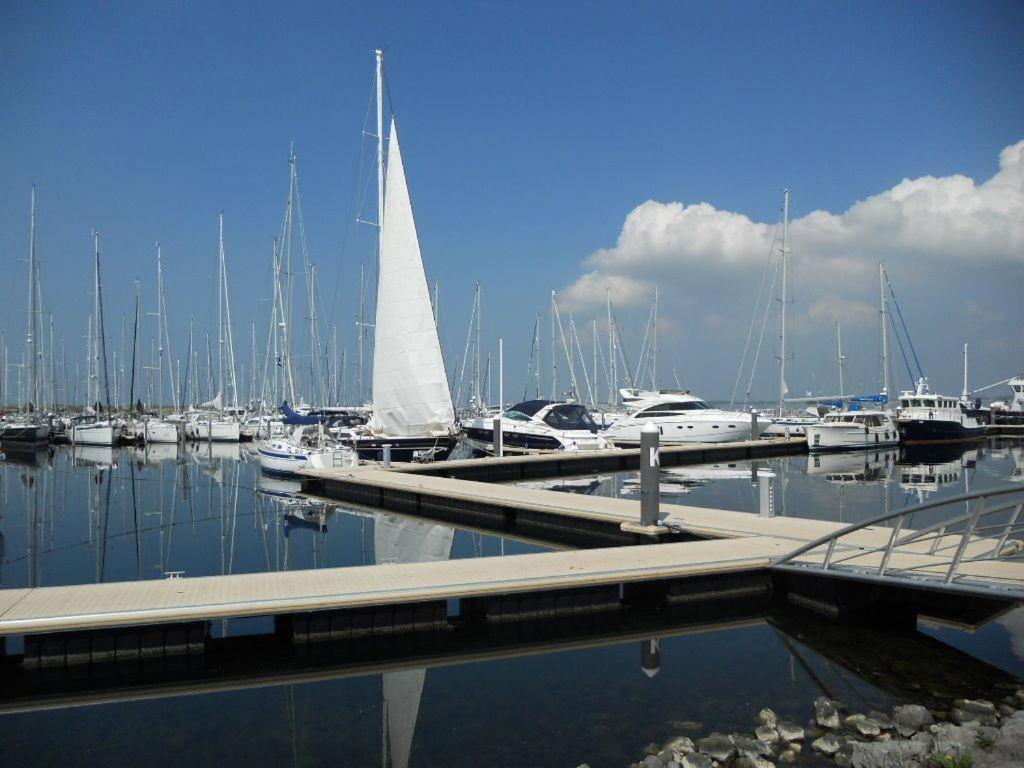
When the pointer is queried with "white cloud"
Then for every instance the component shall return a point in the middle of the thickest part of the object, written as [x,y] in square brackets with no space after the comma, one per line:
[951,220]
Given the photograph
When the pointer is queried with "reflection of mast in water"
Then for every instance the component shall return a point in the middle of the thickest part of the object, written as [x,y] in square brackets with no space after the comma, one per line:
[400,540]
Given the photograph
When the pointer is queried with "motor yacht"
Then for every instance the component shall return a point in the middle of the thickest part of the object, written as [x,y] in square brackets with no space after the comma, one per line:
[850,429]
[539,425]
[925,417]
[681,418]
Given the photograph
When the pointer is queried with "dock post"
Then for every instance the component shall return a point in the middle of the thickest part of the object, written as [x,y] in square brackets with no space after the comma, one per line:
[499,448]
[386,454]
[766,497]
[754,433]
[650,464]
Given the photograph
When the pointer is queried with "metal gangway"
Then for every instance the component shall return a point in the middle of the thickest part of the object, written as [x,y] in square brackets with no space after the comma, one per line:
[977,550]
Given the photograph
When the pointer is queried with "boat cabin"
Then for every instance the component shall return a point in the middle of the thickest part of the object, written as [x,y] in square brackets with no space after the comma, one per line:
[864,419]
[562,416]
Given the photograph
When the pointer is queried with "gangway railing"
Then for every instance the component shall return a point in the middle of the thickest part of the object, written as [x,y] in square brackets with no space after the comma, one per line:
[979,550]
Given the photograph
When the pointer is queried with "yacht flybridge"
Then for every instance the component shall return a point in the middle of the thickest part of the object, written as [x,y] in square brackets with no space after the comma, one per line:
[539,425]
[681,418]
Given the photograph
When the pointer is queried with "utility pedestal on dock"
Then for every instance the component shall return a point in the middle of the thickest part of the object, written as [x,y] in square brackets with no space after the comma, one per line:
[650,480]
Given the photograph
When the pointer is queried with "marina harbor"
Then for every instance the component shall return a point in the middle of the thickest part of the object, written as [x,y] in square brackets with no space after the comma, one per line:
[656,401]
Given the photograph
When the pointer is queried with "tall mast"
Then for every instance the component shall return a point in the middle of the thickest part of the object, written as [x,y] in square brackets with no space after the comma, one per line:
[554,354]
[379,54]
[613,372]
[593,391]
[964,395]
[785,299]
[159,329]
[227,336]
[33,371]
[220,305]
[101,338]
[360,325]
[537,364]
[885,330]
[476,379]
[839,357]
[654,345]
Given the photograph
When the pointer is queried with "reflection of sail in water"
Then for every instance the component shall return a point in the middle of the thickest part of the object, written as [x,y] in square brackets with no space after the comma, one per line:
[400,540]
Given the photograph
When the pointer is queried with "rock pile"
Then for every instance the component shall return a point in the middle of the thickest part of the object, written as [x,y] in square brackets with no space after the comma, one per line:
[973,734]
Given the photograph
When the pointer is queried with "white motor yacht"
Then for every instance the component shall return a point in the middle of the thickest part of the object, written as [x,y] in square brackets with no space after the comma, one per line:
[307,446]
[539,425]
[682,418]
[849,429]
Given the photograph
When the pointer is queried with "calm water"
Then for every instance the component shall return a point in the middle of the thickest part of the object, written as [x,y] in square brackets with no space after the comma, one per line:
[553,699]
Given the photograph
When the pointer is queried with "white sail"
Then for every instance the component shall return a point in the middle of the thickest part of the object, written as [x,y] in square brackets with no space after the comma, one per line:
[411,397]
[401,540]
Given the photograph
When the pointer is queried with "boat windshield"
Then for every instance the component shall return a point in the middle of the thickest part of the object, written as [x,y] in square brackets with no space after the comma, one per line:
[567,416]
[686,405]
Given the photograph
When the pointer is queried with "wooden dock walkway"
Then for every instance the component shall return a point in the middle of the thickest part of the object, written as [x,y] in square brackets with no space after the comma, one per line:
[92,606]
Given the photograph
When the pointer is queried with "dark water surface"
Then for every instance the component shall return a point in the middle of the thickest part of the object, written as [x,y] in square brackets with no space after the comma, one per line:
[543,697]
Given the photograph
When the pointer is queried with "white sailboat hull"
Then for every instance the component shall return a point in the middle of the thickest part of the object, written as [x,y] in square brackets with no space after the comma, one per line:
[100,433]
[214,431]
[156,431]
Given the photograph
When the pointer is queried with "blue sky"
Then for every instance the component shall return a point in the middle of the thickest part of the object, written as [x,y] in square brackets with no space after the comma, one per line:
[530,132]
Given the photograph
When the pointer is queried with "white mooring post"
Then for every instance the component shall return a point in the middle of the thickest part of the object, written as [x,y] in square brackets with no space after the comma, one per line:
[499,438]
[386,455]
[650,466]
[766,493]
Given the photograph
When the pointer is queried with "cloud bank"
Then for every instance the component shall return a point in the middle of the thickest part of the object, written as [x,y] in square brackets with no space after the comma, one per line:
[950,220]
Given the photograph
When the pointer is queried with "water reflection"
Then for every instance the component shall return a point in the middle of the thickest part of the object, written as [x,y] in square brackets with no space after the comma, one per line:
[97,514]
[844,487]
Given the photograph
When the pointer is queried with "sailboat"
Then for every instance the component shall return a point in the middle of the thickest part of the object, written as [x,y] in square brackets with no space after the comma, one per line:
[413,411]
[212,422]
[784,424]
[150,428]
[92,429]
[28,432]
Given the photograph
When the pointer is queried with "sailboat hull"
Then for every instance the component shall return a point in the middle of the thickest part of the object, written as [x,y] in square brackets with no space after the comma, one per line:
[100,433]
[405,448]
[24,437]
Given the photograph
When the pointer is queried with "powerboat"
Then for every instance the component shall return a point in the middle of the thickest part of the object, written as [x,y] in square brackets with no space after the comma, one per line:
[682,418]
[851,429]
[539,425]
[925,417]
[306,447]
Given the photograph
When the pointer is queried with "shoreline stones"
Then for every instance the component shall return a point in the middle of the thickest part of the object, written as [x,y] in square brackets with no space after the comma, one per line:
[825,713]
[965,732]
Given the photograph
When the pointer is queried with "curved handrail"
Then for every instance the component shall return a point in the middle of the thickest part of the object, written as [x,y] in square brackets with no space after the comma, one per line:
[906,511]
